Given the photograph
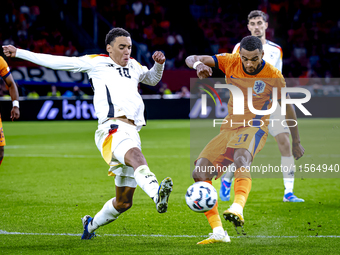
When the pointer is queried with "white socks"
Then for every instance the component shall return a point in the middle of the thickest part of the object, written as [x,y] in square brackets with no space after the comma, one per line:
[147,181]
[106,215]
[219,230]
[288,173]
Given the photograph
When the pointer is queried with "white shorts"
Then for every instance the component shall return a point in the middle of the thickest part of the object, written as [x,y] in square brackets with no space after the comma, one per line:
[275,125]
[114,146]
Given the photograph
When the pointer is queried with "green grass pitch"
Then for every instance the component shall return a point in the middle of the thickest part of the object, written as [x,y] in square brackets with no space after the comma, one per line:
[53,174]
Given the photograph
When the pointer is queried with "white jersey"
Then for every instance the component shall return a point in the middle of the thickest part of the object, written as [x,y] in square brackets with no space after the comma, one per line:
[115,87]
[272,54]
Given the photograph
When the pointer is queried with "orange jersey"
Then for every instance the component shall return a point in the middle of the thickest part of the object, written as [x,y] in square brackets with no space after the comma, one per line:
[262,84]
[4,69]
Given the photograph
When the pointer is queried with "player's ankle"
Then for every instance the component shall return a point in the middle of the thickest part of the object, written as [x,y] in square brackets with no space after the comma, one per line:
[219,231]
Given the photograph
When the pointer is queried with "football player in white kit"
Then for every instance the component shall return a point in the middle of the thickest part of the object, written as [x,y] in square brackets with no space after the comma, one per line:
[257,25]
[120,110]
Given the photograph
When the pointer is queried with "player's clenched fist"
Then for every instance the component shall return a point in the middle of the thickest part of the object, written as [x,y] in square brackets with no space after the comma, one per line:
[9,50]
[298,150]
[159,57]
[203,71]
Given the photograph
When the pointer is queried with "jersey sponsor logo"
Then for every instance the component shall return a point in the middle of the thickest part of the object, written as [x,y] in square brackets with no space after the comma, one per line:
[259,86]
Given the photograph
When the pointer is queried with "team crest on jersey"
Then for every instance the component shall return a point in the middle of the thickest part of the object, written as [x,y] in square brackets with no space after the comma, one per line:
[259,87]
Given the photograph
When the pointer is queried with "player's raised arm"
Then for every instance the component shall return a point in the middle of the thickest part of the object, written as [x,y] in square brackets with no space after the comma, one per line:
[74,64]
[154,75]
[202,64]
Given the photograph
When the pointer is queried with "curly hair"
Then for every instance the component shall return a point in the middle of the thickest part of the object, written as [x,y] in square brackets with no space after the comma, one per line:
[115,32]
[251,43]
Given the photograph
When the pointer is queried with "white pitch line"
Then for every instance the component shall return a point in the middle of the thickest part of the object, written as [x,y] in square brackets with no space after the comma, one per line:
[82,156]
[50,156]
[3,232]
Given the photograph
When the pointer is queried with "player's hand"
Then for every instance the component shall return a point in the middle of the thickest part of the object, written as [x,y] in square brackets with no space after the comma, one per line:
[298,150]
[9,50]
[15,113]
[159,57]
[203,71]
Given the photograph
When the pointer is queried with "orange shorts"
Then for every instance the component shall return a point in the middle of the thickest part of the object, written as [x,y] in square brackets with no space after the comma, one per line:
[2,137]
[220,150]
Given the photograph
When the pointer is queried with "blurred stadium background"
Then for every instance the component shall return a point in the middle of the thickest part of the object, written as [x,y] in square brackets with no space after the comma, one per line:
[308,32]
[48,164]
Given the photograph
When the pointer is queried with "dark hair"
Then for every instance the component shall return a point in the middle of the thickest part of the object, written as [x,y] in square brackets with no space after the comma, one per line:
[251,43]
[257,13]
[115,32]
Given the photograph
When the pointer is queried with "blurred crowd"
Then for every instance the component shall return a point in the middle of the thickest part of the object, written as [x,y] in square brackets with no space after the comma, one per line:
[30,25]
[308,31]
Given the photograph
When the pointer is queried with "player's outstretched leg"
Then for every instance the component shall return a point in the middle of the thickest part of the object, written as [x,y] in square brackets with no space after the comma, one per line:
[158,193]
[287,164]
[163,194]
[106,215]
[218,235]
[148,181]
[242,187]
[86,221]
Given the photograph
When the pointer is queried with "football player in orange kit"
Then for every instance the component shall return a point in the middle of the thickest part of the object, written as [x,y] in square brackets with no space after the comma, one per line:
[13,91]
[239,141]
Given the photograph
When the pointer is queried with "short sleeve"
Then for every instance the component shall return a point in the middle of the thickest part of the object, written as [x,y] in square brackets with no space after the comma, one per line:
[223,60]
[236,48]
[4,69]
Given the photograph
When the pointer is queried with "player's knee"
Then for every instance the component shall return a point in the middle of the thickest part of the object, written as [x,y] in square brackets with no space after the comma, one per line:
[134,157]
[240,160]
[283,143]
[204,170]
[283,139]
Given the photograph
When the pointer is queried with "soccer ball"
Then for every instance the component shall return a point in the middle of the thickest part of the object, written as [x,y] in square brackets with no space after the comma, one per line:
[201,197]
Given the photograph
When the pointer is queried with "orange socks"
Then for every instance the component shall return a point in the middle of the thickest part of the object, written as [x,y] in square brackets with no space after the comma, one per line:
[242,186]
[213,216]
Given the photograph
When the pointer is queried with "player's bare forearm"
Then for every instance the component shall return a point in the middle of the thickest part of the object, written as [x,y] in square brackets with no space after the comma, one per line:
[291,119]
[206,60]
[203,65]
[12,88]
[13,91]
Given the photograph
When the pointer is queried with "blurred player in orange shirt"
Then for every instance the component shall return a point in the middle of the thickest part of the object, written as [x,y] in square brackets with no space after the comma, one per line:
[239,141]
[13,91]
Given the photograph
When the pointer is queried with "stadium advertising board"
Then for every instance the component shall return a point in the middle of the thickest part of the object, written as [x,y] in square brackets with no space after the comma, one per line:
[83,109]
[45,76]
